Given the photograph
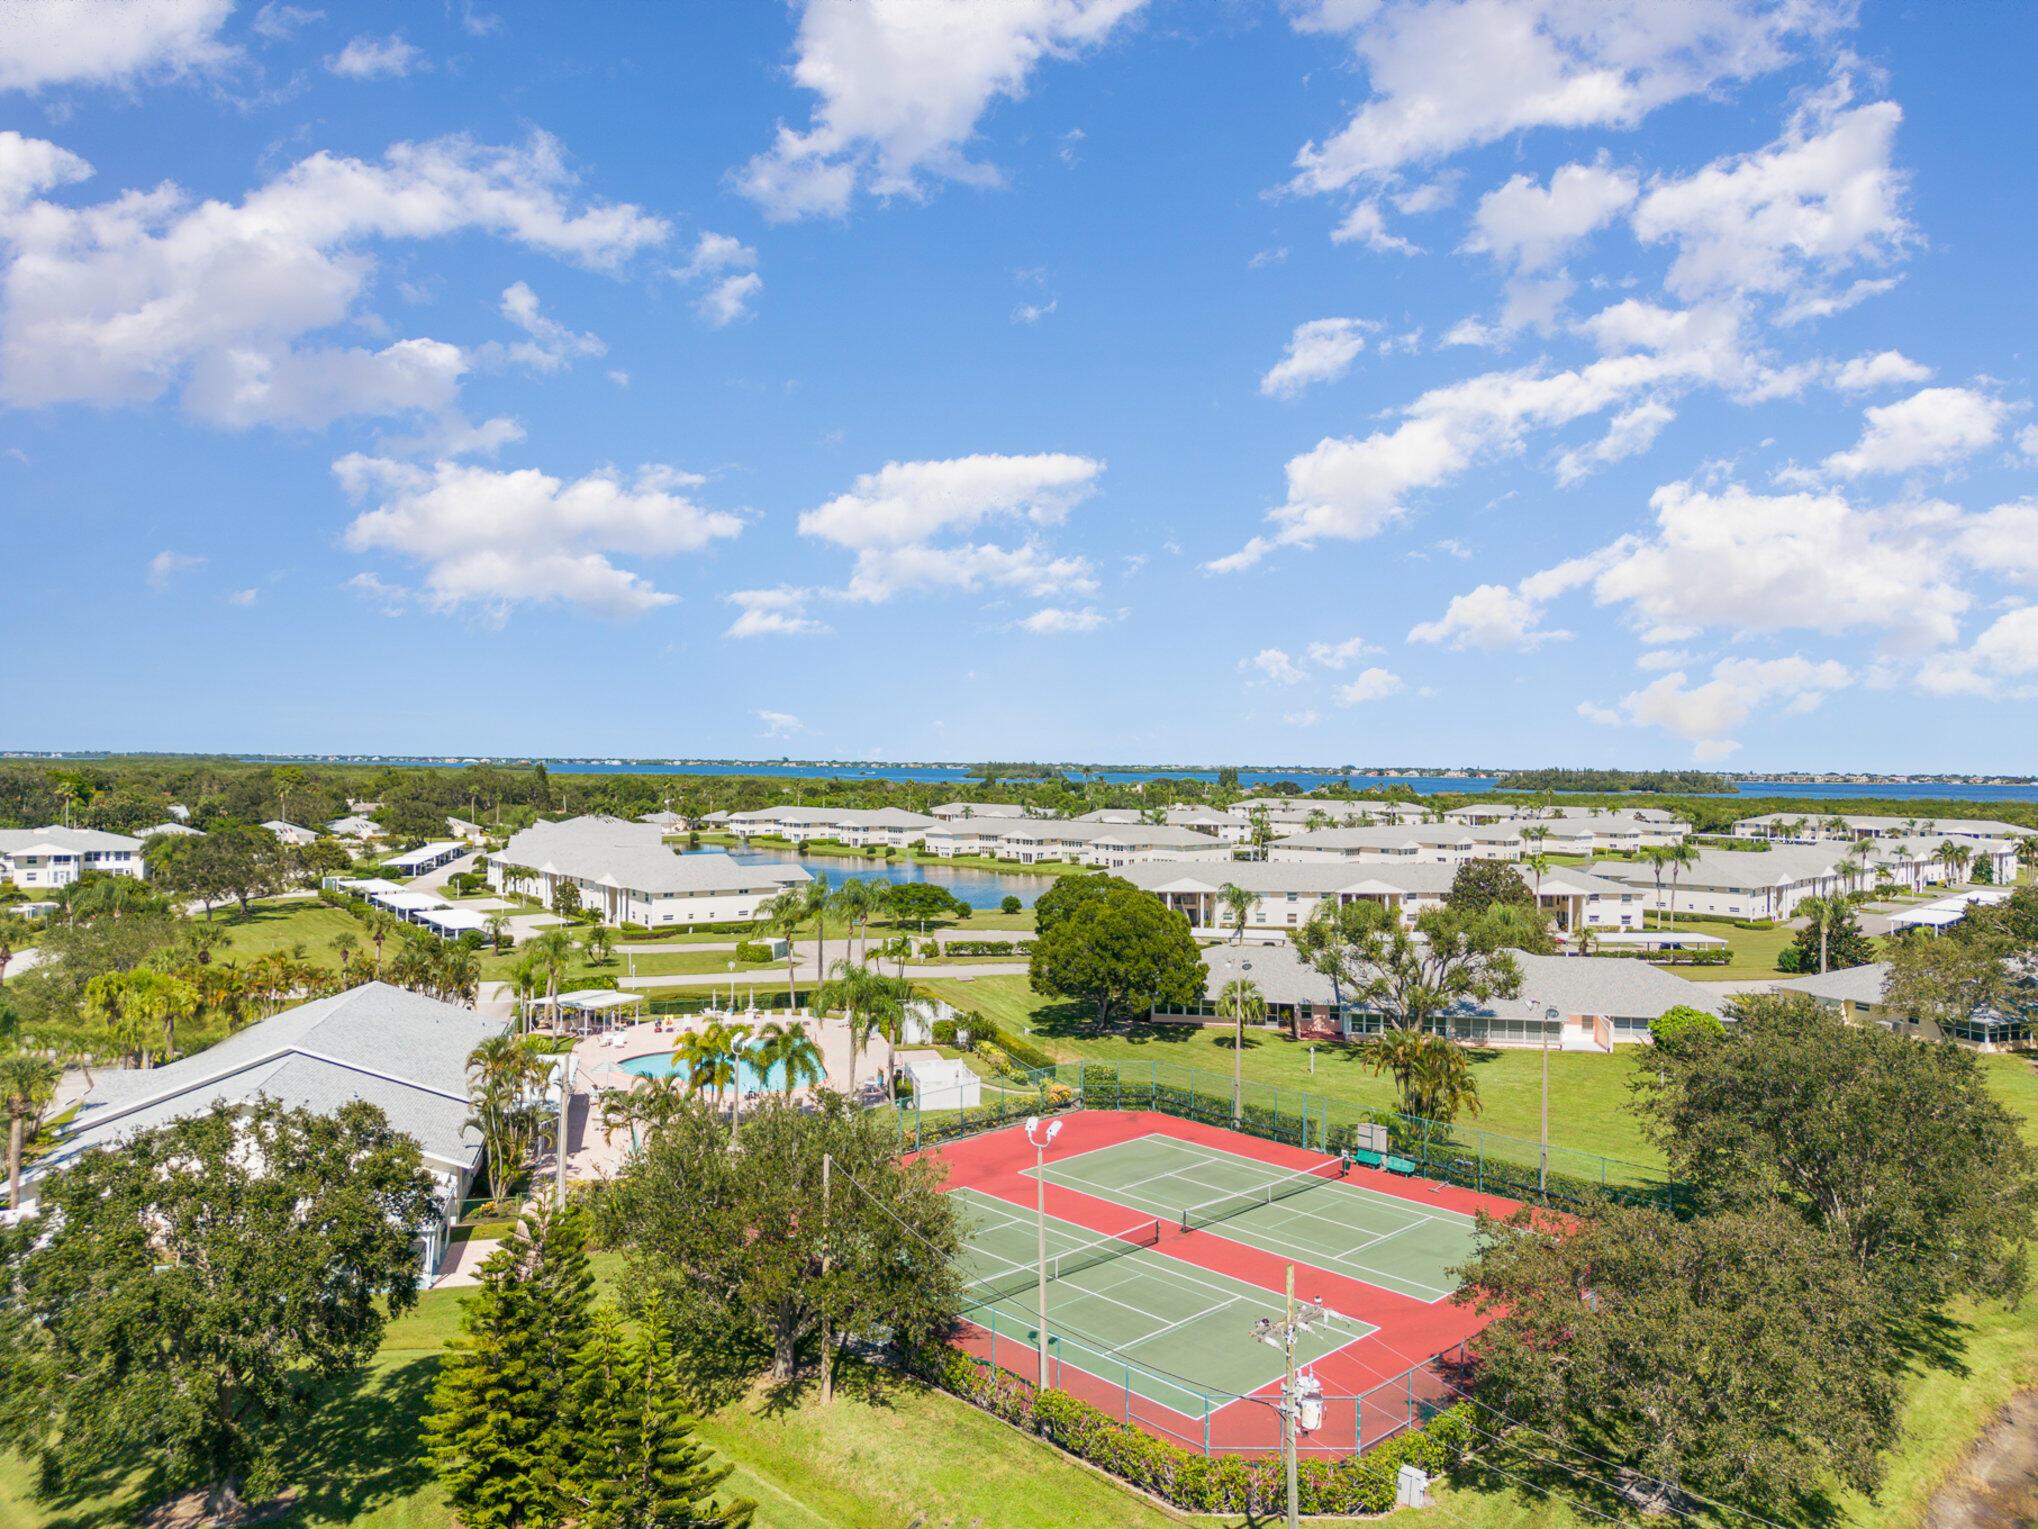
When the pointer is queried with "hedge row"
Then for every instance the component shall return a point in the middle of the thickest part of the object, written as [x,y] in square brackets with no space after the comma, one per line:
[1199,1483]
[987,948]
[1701,957]
[987,1038]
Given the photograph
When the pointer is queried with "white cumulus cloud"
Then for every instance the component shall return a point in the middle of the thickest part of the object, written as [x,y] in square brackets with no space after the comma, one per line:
[110,42]
[377,58]
[900,521]
[1321,350]
[497,539]
[901,85]
[1934,427]
[122,301]
[1374,684]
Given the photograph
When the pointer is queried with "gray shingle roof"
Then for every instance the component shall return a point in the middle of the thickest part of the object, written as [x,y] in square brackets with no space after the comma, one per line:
[635,857]
[1853,984]
[400,1050]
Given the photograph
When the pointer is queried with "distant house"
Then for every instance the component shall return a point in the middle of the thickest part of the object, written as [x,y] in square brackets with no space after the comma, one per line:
[56,857]
[1578,1003]
[460,828]
[628,874]
[1285,892]
[1856,994]
[355,827]
[174,829]
[1809,828]
[398,1050]
[666,822]
[290,833]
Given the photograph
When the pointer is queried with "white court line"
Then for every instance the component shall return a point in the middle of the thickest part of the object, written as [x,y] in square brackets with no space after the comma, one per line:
[1218,1154]
[1399,1284]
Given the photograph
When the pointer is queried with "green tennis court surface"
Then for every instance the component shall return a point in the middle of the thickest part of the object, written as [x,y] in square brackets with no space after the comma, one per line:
[1163,1329]
[1335,1225]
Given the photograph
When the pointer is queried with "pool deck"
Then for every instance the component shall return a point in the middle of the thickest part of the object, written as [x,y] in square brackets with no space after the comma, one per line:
[598,1065]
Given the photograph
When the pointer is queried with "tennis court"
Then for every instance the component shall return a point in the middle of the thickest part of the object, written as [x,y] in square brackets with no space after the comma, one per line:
[1315,1217]
[1169,1331]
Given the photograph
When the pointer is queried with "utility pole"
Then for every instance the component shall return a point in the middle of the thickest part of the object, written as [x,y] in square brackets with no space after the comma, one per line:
[827,1354]
[1282,1335]
[1543,1147]
[1040,1142]
[565,1111]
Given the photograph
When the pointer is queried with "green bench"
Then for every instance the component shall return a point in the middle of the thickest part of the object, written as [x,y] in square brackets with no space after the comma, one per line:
[1366,1158]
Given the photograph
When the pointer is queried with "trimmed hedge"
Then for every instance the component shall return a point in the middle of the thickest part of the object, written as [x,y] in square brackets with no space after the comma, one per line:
[1020,1054]
[988,948]
[1701,957]
[1198,1483]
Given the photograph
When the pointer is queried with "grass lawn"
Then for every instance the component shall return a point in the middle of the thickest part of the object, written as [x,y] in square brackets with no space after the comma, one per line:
[1754,951]
[1588,1091]
[273,926]
[909,1455]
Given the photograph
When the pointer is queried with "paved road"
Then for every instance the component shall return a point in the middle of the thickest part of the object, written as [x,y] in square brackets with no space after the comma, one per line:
[765,977]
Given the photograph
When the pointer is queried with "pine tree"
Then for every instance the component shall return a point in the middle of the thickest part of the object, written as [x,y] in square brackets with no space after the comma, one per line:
[497,1433]
[636,1464]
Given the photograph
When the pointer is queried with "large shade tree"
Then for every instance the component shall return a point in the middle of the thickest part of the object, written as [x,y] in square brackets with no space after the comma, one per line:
[742,1247]
[1898,1149]
[1116,948]
[187,1296]
[1742,1357]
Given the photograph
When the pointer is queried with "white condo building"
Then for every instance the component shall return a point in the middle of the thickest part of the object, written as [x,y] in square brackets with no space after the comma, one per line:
[627,873]
[56,857]
[1286,892]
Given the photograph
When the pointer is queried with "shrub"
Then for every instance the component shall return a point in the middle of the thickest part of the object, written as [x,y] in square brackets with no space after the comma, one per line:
[1200,1483]
[944,1032]
[753,951]
[989,947]
[1009,904]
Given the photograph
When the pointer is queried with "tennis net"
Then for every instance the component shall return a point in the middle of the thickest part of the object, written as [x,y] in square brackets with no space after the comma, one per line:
[1224,1207]
[984,1289]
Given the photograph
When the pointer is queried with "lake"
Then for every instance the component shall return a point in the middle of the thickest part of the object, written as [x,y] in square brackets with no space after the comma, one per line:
[980,889]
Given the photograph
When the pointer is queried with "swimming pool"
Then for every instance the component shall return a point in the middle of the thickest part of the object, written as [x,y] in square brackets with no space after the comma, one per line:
[666,1064]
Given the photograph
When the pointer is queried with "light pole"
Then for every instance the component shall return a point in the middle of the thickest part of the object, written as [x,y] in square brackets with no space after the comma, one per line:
[1238,1044]
[1040,1139]
[1282,1335]
[1551,1018]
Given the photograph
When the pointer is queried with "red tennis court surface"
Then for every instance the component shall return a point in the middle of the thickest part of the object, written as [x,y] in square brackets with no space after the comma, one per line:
[1100,1176]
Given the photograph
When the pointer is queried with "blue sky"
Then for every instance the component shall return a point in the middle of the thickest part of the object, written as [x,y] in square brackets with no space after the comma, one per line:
[1506,381]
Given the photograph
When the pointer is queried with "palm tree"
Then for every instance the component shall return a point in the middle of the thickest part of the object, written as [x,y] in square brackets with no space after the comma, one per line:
[27,1084]
[854,902]
[381,925]
[788,1048]
[819,900]
[1861,851]
[598,945]
[783,916]
[498,930]
[344,946]
[860,994]
[1824,914]
[551,953]
[1431,1073]
[714,1058]
[1955,857]
[1657,856]
[1679,856]
[502,1076]
[1237,903]
[1240,1001]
